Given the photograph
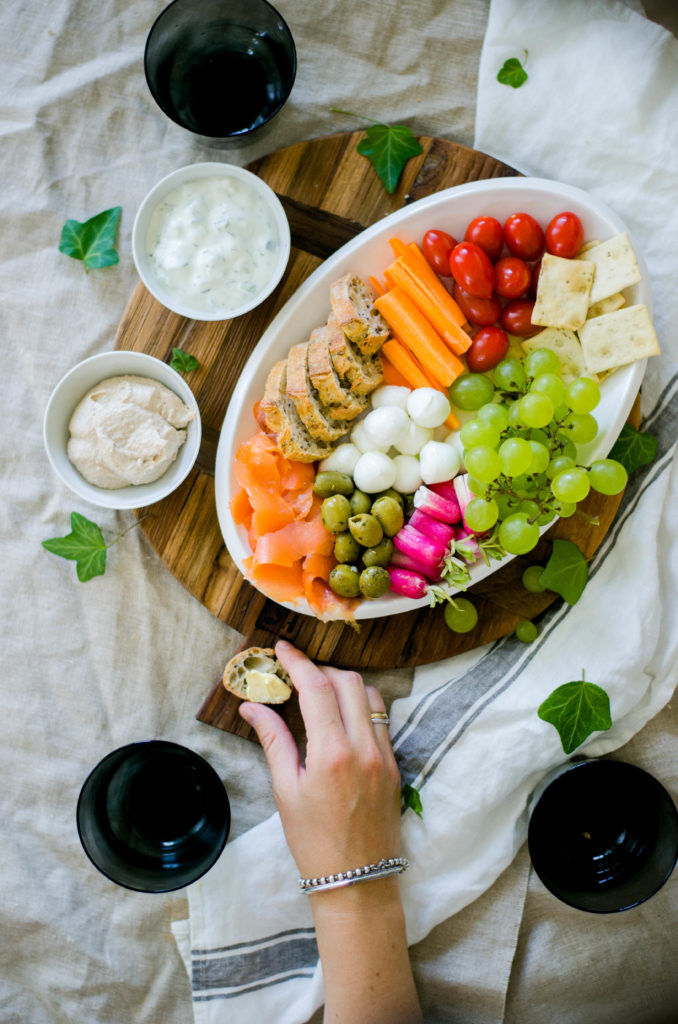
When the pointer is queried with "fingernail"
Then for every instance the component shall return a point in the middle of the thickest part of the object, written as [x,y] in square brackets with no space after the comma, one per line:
[284,644]
[247,712]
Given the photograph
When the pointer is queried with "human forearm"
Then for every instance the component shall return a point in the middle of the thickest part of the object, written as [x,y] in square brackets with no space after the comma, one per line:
[374,984]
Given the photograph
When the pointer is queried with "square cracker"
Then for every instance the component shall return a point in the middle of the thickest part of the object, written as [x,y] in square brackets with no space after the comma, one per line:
[618,338]
[608,305]
[563,292]
[566,346]
[616,266]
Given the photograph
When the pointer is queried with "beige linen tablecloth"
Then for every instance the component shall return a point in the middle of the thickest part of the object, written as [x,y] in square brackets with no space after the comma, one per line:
[88,667]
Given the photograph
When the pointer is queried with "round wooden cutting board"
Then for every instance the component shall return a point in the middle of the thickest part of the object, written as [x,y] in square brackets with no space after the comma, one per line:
[330,194]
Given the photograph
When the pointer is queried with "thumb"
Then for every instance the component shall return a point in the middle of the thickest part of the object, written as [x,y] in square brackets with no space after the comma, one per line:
[276,741]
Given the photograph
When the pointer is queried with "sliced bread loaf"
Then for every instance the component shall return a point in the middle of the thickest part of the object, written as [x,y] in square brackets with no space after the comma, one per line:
[353,307]
[363,373]
[282,419]
[332,391]
[315,416]
[256,674]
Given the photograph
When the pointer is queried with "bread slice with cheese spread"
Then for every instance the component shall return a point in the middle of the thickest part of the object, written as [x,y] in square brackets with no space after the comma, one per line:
[363,373]
[333,392]
[256,674]
[282,419]
[316,417]
[354,310]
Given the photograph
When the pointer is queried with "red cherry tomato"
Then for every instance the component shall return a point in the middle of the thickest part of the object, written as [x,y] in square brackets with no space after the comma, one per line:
[524,236]
[482,312]
[488,348]
[516,318]
[565,235]
[487,233]
[512,277]
[436,246]
[472,269]
[535,279]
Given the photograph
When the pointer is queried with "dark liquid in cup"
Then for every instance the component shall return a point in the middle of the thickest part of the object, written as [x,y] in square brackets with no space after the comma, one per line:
[156,805]
[222,81]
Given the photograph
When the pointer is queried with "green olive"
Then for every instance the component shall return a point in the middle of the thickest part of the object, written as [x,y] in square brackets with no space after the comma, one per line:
[391,493]
[374,582]
[379,554]
[345,580]
[389,512]
[335,512]
[330,482]
[366,529]
[360,502]
[346,548]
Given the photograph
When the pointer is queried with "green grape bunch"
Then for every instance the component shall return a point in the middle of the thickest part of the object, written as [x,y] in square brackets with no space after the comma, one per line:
[520,450]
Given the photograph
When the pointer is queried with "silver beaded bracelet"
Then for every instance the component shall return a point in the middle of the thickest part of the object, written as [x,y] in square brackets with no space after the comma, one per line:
[386,866]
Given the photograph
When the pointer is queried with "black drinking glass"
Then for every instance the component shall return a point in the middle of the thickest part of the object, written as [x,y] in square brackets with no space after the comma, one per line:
[153,816]
[603,835]
[220,68]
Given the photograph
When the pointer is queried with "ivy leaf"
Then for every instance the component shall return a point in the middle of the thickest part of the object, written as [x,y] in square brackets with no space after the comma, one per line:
[85,545]
[633,448]
[413,799]
[576,710]
[92,241]
[512,73]
[566,571]
[182,361]
[388,148]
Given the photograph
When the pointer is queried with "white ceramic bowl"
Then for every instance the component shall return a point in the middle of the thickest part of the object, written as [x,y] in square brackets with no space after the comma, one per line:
[369,253]
[75,385]
[145,212]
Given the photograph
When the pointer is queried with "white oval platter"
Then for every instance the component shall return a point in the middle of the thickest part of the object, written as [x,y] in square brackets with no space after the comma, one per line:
[369,254]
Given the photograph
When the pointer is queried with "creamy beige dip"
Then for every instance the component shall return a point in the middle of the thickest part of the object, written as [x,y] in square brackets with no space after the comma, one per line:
[127,430]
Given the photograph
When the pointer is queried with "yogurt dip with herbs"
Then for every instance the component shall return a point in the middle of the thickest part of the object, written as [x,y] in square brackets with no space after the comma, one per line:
[127,430]
[213,243]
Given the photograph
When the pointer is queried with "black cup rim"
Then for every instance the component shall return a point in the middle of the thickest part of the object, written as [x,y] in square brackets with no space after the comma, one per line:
[243,133]
[648,780]
[158,745]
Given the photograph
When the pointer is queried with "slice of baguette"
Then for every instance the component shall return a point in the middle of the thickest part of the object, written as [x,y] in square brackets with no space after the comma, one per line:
[332,391]
[256,674]
[282,419]
[353,307]
[363,373]
[317,418]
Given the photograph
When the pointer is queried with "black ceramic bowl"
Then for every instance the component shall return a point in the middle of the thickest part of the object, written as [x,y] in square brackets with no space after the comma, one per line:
[153,816]
[603,835]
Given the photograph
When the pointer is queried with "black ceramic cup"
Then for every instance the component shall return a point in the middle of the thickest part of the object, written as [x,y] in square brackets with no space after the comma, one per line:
[153,816]
[220,68]
[603,835]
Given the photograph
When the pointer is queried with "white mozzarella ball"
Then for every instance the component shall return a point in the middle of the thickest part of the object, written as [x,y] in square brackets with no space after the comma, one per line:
[428,407]
[414,439]
[374,472]
[343,459]
[390,394]
[386,425]
[363,442]
[408,474]
[438,462]
[454,440]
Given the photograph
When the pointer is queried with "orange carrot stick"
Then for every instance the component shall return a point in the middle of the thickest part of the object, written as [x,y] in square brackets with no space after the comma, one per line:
[398,246]
[391,375]
[414,259]
[406,365]
[412,327]
[401,368]
[439,310]
[377,285]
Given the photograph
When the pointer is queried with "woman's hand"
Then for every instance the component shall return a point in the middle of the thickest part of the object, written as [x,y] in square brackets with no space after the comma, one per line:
[341,809]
